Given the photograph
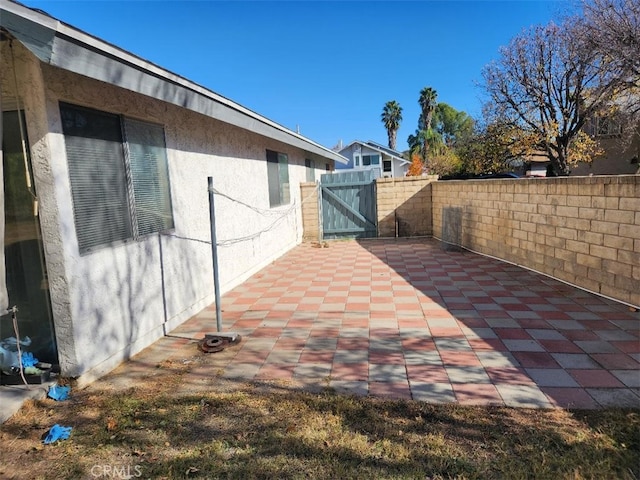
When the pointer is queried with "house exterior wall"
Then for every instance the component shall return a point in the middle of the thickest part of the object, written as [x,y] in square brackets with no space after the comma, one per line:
[349,153]
[113,302]
[617,159]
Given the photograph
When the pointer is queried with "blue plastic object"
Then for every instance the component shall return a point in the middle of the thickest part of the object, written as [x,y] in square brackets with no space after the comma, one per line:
[56,433]
[58,392]
[28,360]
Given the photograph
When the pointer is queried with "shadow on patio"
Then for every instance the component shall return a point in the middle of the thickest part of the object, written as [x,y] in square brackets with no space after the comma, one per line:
[404,318]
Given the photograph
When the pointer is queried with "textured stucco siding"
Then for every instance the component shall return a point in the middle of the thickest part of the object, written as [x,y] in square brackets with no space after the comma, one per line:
[113,302]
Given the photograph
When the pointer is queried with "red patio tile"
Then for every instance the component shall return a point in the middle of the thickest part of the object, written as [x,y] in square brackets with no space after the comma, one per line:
[477,394]
[314,356]
[566,397]
[445,331]
[270,332]
[289,343]
[459,359]
[325,332]
[616,361]
[535,360]
[392,390]
[377,357]
[594,378]
[487,344]
[509,375]
[275,371]
[427,373]
[512,333]
[626,346]
[560,346]
[420,344]
[353,343]
[580,335]
[350,371]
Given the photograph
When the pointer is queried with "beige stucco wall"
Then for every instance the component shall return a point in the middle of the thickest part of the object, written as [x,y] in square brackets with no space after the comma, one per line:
[113,302]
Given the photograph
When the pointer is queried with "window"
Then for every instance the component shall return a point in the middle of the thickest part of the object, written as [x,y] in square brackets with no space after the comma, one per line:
[604,127]
[119,176]
[386,165]
[366,160]
[310,166]
[370,160]
[278,177]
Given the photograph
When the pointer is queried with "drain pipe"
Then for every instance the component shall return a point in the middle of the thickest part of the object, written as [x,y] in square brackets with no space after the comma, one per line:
[214,255]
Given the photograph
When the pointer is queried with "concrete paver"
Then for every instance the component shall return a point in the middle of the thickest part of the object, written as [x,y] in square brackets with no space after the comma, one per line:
[404,318]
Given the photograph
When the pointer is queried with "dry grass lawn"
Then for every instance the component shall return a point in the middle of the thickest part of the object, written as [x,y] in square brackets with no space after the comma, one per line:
[161,430]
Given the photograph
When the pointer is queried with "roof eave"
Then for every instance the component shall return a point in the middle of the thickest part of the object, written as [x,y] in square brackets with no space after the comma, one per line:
[68,48]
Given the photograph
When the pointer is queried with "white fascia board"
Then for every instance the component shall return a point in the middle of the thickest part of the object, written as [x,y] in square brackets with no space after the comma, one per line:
[84,54]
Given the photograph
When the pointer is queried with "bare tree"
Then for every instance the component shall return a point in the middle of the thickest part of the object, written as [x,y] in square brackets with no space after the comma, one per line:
[548,84]
[612,27]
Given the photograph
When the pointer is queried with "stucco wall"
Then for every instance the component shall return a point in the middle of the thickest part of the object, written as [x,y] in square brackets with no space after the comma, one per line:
[113,302]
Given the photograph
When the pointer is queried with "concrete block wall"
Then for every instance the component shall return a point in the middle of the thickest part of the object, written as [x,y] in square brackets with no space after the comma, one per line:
[583,230]
[310,212]
[404,206]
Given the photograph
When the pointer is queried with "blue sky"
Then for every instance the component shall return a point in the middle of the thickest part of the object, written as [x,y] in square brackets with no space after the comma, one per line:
[327,66]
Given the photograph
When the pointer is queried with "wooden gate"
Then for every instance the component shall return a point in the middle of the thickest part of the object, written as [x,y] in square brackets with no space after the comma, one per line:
[348,202]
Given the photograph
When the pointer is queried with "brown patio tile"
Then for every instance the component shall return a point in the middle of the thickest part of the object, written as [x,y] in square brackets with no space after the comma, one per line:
[270,332]
[569,397]
[419,344]
[396,390]
[477,394]
[512,333]
[350,371]
[627,346]
[353,343]
[427,373]
[325,332]
[509,375]
[616,361]
[595,378]
[313,356]
[536,360]
[386,358]
[275,371]
[459,359]
[560,346]
[482,344]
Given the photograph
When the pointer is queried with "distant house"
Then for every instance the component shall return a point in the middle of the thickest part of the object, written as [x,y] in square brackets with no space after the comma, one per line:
[384,161]
[620,157]
[107,212]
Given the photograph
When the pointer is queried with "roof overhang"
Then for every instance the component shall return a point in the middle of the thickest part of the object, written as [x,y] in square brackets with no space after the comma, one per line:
[60,45]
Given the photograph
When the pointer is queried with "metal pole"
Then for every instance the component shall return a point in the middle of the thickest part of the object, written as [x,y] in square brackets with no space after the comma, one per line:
[214,255]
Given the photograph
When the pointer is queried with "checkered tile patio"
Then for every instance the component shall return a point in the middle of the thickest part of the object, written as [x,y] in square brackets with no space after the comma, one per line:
[406,319]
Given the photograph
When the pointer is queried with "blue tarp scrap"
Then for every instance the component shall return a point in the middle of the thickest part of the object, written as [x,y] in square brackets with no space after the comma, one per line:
[58,392]
[56,433]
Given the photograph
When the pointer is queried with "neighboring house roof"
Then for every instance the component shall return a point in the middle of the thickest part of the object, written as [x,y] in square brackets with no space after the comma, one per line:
[63,46]
[380,148]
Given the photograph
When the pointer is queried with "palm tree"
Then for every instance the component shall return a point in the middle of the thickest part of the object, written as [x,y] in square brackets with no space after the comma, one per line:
[391,117]
[427,103]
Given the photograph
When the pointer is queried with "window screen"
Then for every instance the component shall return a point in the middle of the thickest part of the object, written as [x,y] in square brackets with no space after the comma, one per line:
[119,181]
[310,167]
[97,174]
[278,178]
[149,176]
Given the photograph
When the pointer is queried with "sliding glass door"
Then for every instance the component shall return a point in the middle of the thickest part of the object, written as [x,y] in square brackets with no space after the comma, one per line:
[27,283]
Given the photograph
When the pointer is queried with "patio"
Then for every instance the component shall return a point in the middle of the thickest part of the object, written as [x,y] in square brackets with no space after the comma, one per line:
[406,319]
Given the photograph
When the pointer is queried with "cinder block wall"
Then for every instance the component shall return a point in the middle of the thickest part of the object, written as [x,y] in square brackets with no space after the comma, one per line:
[310,212]
[404,206]
[583,230]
